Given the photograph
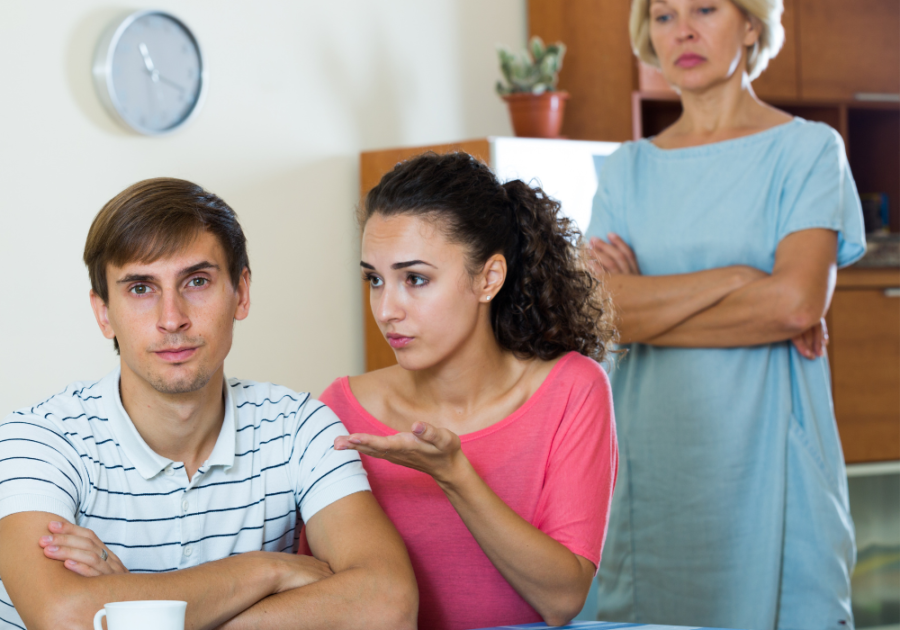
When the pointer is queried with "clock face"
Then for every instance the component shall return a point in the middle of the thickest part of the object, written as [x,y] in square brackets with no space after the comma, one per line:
[150,72]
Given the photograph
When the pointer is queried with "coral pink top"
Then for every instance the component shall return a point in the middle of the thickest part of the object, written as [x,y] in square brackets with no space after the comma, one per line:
[553,461]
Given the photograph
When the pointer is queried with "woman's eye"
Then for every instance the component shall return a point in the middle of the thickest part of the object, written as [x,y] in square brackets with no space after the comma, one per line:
[374,281]
[662,19]
[417,281]
[706,10]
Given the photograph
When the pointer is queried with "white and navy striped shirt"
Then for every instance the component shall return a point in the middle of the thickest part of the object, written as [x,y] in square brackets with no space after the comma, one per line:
[79,456]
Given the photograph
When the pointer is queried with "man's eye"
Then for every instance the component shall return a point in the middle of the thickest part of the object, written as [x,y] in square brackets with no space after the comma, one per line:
[198,282]
[140,289]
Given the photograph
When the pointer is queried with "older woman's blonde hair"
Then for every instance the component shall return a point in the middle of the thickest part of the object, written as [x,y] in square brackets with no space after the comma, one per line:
[771,36]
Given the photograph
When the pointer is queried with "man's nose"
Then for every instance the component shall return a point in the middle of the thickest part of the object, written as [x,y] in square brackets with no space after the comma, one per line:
[173,316]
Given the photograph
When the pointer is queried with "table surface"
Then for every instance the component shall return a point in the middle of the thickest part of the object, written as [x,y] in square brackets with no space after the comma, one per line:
[599,625]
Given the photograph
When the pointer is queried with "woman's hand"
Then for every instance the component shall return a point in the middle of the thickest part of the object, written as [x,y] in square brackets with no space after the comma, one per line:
[614,257]
[79,549]
[428,449]
[811,343]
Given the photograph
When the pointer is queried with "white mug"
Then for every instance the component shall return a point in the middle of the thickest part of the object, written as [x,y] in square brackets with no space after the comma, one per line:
[146,615]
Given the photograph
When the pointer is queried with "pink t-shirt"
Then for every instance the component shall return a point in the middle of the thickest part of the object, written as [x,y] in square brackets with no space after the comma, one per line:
[553,461]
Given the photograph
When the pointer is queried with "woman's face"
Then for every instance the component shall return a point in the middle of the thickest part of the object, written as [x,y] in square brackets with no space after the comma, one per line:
[422,296]
[700,43]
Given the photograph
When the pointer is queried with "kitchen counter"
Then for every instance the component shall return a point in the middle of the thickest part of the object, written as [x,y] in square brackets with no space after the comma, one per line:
[882,250]
[598,625]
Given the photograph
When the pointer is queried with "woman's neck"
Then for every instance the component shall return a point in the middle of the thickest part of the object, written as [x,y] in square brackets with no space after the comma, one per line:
[722,111]
[474,376]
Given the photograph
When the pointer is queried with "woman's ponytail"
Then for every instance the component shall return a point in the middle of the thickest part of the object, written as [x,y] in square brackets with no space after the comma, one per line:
[550,304]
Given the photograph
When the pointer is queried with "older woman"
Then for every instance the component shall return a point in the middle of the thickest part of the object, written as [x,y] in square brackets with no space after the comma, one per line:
[721,237]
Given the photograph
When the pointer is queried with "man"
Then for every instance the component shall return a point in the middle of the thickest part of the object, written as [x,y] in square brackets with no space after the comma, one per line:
[164,468]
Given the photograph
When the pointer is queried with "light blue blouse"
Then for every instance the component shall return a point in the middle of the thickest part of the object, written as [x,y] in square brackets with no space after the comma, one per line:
[731,505]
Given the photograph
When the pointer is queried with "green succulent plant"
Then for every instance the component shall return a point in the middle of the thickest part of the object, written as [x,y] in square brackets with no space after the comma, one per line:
[535,70]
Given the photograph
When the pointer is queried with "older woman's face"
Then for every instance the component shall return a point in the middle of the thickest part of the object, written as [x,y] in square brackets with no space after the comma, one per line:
[700,42]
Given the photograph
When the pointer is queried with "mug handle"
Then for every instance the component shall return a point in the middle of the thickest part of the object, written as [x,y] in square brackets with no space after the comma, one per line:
[97,617]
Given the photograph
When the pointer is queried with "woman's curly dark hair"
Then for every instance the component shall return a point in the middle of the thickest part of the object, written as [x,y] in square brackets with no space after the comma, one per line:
[550,303]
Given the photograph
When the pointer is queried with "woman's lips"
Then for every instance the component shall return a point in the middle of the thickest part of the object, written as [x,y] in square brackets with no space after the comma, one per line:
[398,341]
[176,356]
[689,60]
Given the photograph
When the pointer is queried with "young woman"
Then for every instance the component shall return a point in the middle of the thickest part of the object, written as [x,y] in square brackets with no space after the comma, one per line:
[722,236]
[491,444]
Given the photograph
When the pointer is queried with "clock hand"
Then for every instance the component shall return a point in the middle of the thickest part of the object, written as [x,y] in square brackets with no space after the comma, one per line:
[170,82]
[148,62]
[154,73]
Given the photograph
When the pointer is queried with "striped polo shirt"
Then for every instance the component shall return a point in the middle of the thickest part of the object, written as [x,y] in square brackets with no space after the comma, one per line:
[79,456]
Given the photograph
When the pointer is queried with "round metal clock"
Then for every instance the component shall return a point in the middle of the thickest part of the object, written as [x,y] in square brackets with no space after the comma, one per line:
[150,73]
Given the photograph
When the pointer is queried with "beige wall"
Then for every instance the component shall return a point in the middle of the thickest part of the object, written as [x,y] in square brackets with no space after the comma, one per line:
[297,89]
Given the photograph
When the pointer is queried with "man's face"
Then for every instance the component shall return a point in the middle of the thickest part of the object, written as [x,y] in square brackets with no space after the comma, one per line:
[173,318]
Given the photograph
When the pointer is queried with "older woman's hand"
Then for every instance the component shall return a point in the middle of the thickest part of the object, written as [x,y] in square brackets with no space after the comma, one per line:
[428,449]
[811,343]
[615,256]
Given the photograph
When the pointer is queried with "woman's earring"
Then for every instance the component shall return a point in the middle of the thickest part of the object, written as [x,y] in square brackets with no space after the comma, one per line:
[488,298]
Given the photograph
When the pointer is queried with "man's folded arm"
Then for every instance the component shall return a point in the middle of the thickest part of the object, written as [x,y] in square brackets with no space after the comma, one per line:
[49,596]
[373,585]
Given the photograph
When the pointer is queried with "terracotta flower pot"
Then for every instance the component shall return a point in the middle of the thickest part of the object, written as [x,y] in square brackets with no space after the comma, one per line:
[537,115]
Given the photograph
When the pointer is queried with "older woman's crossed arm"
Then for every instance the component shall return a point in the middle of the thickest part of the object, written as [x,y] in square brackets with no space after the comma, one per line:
[729,306]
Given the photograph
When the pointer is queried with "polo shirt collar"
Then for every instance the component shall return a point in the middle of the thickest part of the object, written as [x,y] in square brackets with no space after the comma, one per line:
[148,462]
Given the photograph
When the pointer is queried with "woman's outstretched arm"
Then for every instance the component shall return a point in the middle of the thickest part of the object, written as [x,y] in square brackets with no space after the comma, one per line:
[551,578]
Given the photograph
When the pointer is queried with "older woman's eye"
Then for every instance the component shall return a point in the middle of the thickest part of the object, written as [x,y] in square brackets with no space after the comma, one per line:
[706,10]
[662,18]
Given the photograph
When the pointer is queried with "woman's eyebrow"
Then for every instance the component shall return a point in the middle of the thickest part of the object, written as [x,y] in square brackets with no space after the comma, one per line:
[410,263]
[399,265]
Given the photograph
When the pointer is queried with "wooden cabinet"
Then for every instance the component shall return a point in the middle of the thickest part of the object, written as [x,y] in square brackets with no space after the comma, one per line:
[846,48]
[598,70]
[864,324]
[781,79]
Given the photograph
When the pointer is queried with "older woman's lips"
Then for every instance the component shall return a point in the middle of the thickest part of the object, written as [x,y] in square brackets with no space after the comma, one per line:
[398,341]
[689,60]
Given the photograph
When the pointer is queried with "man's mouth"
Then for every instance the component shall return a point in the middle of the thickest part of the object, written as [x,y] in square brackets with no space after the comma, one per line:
[176,355]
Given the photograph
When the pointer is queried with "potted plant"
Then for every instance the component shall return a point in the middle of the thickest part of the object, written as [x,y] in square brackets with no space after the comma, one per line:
[535,105]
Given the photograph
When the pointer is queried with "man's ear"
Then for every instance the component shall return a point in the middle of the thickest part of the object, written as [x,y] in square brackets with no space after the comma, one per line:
[101,314]
[243,293]
[493,275]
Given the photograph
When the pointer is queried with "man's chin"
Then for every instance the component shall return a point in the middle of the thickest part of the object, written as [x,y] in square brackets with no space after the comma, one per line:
[183,384]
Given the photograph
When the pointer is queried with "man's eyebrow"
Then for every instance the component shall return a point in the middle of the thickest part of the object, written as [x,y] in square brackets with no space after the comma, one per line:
[135,277]
[200,266]
[142,277]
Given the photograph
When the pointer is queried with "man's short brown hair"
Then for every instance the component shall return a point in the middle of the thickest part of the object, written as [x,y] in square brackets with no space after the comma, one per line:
[156,218]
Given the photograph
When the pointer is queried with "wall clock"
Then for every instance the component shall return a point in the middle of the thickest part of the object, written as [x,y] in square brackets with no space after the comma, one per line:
[150,73]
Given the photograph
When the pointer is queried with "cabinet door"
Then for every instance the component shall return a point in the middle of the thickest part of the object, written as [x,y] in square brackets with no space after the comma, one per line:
[779,80]
[865,361]
[847,47]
